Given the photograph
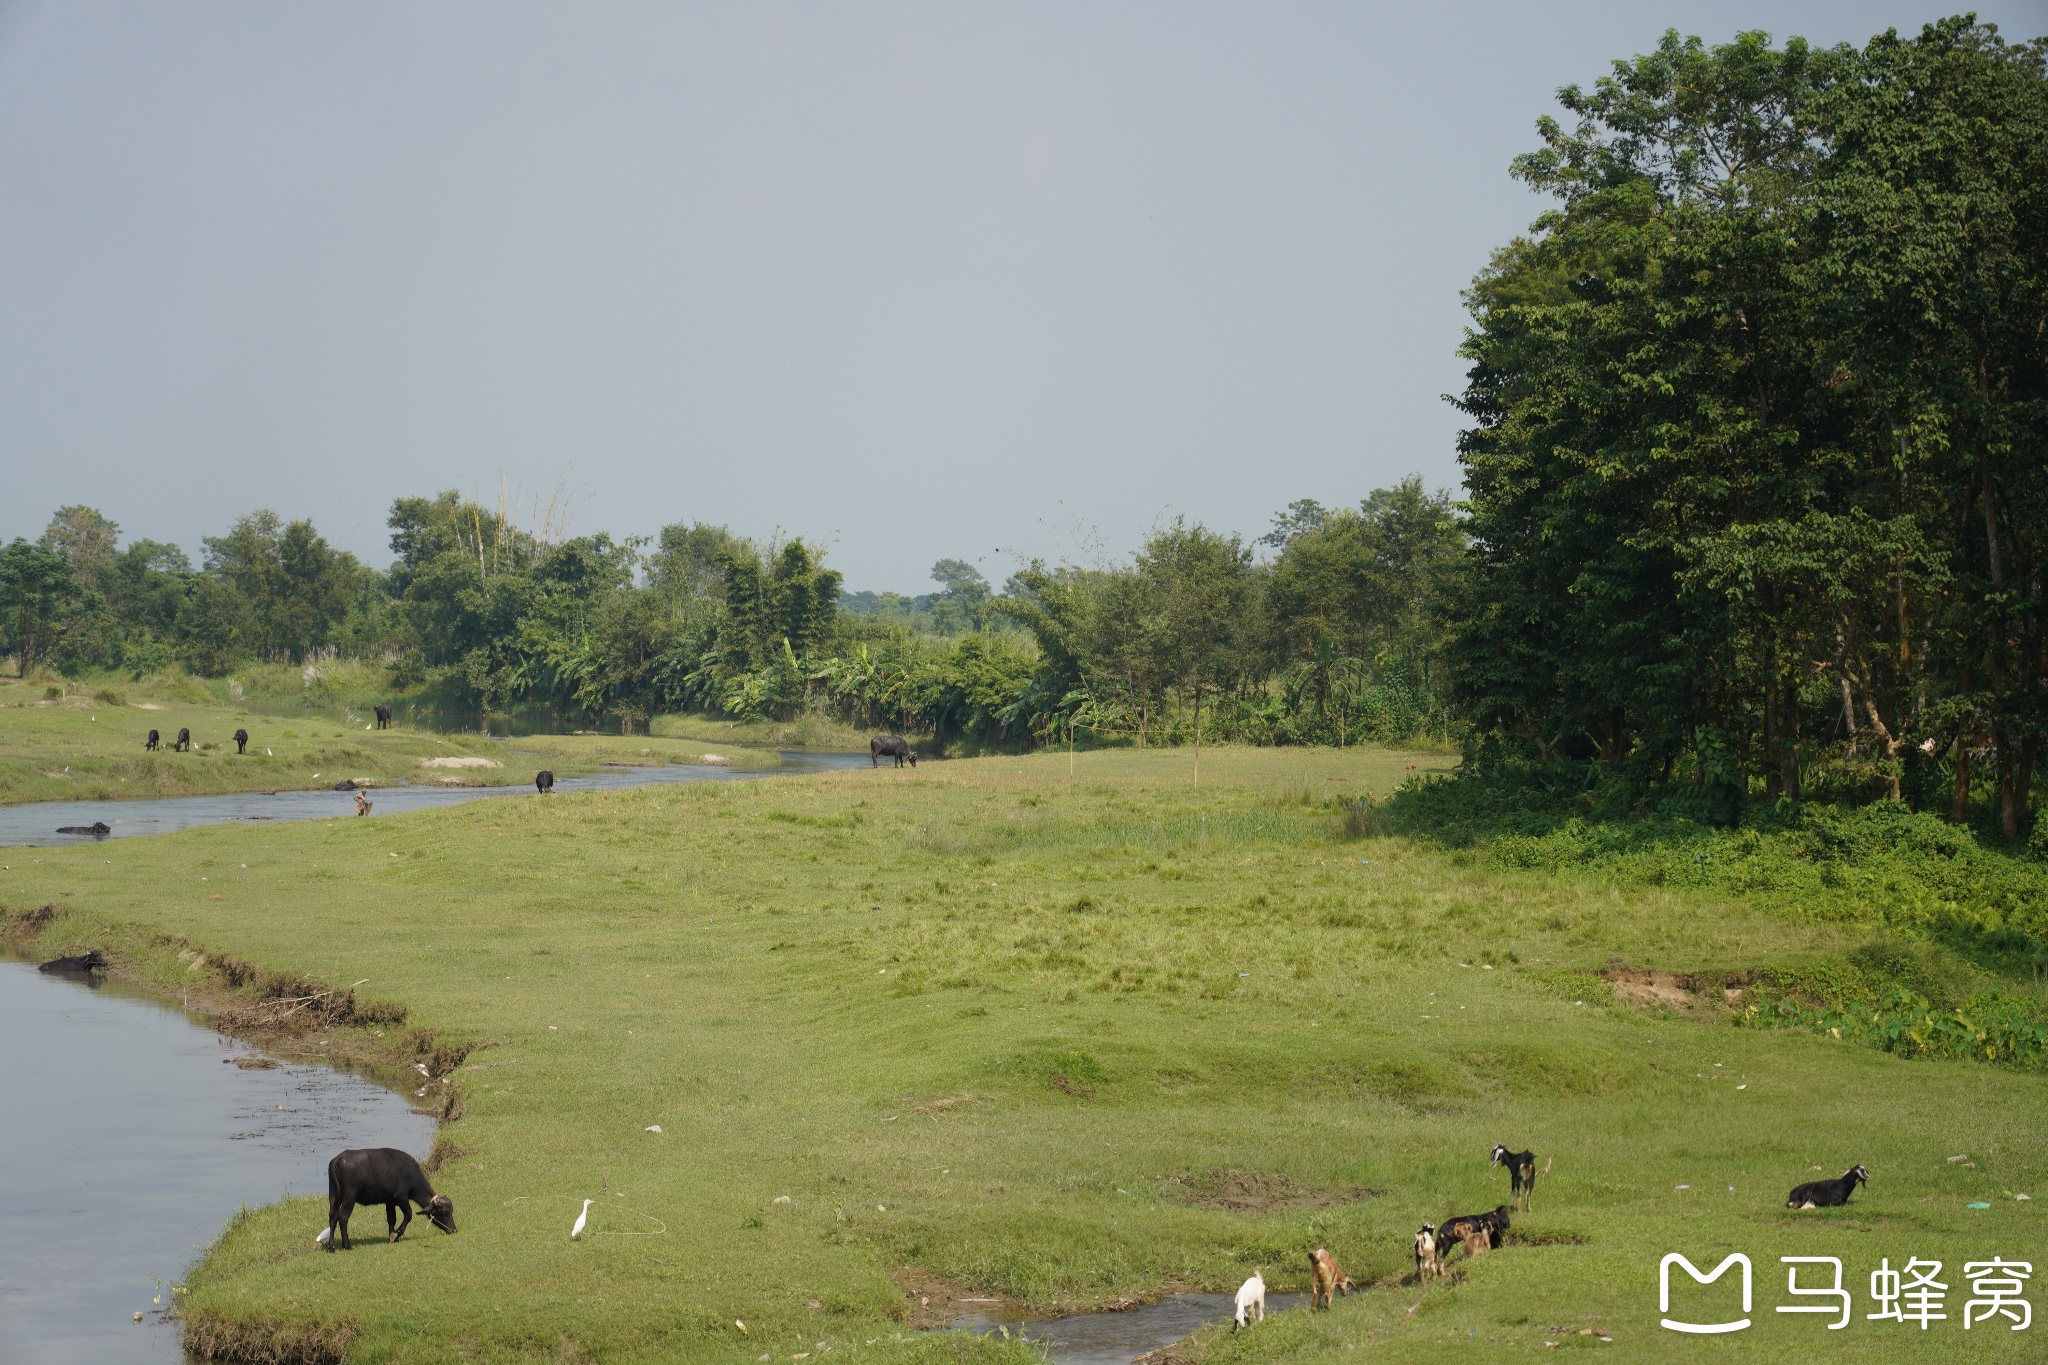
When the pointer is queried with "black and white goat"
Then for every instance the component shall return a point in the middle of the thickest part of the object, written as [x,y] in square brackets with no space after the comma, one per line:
[1827,1194]
[1522,1174]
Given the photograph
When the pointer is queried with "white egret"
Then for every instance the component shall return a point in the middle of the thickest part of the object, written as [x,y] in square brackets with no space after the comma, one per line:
[576,1232]
[325,1233]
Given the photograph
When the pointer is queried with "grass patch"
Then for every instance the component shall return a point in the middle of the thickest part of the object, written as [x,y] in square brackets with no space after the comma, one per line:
[1282,1045]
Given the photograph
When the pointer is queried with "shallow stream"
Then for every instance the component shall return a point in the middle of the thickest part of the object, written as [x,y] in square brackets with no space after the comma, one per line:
[1117,1338]
[126,1142]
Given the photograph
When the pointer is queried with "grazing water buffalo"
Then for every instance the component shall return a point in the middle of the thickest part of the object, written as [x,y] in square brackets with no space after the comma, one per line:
[97,829]
[152,741]
[383,716]
[381,1175]
[544,781]
[184,740]
[890,746]
[84,964]
[241,741]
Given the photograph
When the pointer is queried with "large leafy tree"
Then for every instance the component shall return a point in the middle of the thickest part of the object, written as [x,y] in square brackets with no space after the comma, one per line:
[1738,401]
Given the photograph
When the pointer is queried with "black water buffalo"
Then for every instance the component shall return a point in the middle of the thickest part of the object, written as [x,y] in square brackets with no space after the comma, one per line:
[347,784]
[383,716]
[544,781]
[152,741]
[184,740]
[241,741]
[381,1175]
[85,964]
[890,746]
[97,829]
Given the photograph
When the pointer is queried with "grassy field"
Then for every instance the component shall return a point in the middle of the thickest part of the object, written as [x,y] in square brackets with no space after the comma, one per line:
[86,745]
[981,1029]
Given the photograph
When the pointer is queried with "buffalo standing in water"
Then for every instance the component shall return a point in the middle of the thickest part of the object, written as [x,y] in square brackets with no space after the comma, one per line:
[890,746]
[544,781]
[83,965]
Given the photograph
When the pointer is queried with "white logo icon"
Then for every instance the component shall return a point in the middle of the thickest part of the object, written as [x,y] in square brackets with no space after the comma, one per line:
[1707,1328]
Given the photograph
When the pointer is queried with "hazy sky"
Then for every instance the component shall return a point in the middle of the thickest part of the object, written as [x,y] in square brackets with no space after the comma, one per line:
[907,280]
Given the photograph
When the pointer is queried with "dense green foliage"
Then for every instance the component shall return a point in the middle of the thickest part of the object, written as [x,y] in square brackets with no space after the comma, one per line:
[1335,639]
[1757,475]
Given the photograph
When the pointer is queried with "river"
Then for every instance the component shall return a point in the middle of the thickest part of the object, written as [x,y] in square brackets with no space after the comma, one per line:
[37,822]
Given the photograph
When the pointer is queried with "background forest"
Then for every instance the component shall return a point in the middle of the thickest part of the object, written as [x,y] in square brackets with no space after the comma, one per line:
[1756,506]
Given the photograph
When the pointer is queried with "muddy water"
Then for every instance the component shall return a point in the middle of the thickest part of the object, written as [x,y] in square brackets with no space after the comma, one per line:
[125,1143]
[37,822]
[1116,1338]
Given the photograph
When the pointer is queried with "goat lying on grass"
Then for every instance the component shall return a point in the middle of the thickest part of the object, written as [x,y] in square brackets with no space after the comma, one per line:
[1251,1301]
[1826,1194]
[1328,1278]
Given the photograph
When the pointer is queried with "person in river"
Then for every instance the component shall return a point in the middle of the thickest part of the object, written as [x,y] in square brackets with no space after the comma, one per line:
[362,802]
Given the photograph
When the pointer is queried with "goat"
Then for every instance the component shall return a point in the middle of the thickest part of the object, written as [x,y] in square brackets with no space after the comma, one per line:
[383,716]
[241,741]
[1493,1225]
[1521,1174]
[184,740]
[1427,1262]
[544,781]
[1326,1278]
[1476,1242]
[152,742]
[890,746]
[1251,1301]
[381,1175]
[1826,1194]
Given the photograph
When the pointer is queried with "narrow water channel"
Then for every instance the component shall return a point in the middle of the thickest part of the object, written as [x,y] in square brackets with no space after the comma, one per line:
[125,1144]
[1119,1337]
[37,822]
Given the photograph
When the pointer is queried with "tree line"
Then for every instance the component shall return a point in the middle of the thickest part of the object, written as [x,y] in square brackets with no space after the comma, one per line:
[1326,630]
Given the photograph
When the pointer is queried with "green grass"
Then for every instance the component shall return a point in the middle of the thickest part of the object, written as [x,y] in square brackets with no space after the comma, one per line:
[1007,1032]
[86,745]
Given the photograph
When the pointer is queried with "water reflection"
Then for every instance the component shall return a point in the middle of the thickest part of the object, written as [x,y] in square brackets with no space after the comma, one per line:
[125,1143]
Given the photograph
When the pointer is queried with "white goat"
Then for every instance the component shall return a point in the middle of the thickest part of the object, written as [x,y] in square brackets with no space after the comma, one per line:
[1251,1301]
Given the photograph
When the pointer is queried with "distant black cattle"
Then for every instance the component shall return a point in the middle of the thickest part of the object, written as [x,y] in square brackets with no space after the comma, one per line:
[347,784]
[83,965]
[98,829]
[544,781]
[241,741]
[152,741]
[184,740]
[890,746]
[383,716]
[381,1175]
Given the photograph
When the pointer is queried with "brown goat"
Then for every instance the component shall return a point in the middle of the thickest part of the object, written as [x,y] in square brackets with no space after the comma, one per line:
[1329,1278]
